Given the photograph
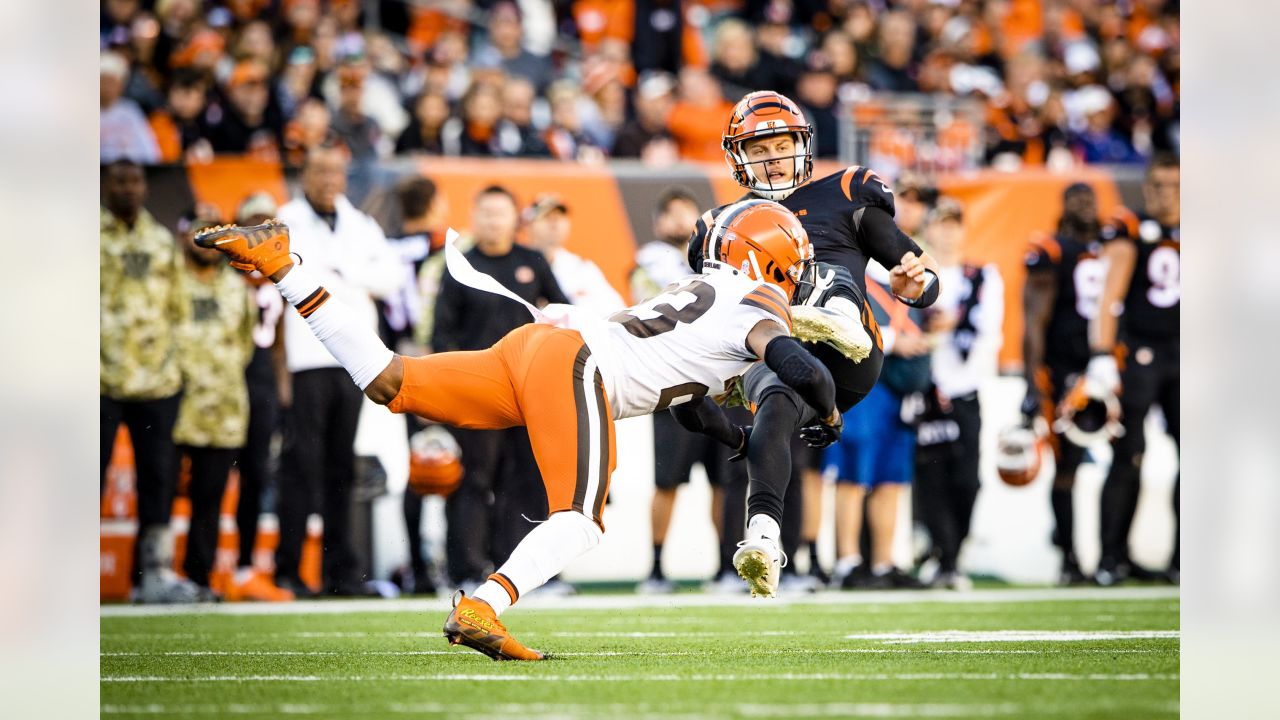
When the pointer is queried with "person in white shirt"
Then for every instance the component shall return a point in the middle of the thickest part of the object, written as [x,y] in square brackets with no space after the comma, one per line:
[347,248]
[965,326]
[580,279]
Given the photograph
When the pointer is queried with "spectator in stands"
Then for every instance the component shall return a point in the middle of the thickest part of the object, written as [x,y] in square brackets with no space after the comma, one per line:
[474,130]
[266,377]
[965,325]
[139,378]
[734,61]
[566,137]
[349,249]
[309,128]
[505,48]
[357,130]
[893,67]
[297,80]
[517,136]
[215,343]
[698,118]
[424,131]
[580,279]
[242,122]
[841,51]
[1099,142]
[654,99]
[122,128]
[816,93]
[176,126]
[500,477]
[780,53]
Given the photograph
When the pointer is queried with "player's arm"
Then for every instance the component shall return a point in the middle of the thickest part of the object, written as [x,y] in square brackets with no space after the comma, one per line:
[1120,255]
[1038,296]
[796,367]
[702,415]
[913,273]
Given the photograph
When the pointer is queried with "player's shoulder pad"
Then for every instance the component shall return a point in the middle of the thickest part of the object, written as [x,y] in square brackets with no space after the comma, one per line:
[863,187]
[771,299]
[1043,251]
[1123,224]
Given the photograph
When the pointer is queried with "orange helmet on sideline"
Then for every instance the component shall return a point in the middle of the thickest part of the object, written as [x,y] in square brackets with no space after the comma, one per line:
[1089,414]
[1018,452]
[760,114]
[764,241]
[435,462]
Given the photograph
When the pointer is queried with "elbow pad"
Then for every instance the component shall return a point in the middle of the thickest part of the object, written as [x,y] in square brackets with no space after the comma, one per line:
[802,372]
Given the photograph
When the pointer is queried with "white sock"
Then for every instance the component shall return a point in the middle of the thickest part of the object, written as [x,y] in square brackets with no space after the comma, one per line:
[351,342]
[846,564]
[540,556]
[763,526]
[881,569]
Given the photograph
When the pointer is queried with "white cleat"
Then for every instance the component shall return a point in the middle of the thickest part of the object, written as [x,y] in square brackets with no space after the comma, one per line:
[759,561]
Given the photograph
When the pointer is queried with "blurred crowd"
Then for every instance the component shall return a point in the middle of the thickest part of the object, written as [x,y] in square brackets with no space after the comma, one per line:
[1054,81]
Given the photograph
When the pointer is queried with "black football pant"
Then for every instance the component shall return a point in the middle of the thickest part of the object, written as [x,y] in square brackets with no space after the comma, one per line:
[1143,384]
[1067,459]
[209,470]
[150,424]
[255,462]
[947,482]
[497,503]
[318,472]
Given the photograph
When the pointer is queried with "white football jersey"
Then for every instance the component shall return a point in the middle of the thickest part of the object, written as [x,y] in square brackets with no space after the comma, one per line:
[690,340]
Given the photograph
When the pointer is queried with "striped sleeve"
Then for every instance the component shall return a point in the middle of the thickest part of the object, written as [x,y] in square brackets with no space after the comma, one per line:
[771,300]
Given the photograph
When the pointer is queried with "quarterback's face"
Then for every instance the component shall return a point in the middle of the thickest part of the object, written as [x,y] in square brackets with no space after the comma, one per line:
[771,158]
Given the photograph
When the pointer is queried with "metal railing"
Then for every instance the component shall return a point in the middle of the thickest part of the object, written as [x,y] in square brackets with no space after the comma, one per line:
[896,133]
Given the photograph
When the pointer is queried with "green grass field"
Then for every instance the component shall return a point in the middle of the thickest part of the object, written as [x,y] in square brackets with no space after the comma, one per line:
[993,653]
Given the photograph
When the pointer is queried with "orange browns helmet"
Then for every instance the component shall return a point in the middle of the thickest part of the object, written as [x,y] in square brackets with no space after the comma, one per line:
[759,114]
[435,462]
[764,241]
[1018,451]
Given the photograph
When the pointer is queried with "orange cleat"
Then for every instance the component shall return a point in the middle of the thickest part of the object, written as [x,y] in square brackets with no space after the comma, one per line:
[474,624]
[256,587]
[264,248]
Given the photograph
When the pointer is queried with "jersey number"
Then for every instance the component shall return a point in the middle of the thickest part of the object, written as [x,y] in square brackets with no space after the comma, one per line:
[1164,270]
[668,316]
[1090,275]
[688,390]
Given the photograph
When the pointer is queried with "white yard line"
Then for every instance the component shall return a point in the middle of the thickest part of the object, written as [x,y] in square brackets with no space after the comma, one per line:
[525,710]
[623,653]
[984,636]
[676,601]
[541,678]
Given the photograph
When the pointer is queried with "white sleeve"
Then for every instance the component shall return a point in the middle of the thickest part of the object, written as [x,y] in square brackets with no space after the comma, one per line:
[380,270]
[605,298]
[990,324]
[761,302]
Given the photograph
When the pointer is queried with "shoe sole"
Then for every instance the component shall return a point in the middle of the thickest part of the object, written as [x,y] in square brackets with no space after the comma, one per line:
[753,566]
[476,639]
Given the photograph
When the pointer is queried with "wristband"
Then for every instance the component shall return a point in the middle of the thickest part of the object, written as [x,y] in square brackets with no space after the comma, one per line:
[928,295]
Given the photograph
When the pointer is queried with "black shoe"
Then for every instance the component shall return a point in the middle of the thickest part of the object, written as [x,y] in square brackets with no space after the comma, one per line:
[819,574]
[1137,572]
[1110,572]
[1173,575]
[351,588]
[294,585]
[1071,573]
[895,579]
[857,579]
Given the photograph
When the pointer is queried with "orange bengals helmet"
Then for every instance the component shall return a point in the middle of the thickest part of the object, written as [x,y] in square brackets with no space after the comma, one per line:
[760,114]
[1018,451]
[764,241]
[435,462]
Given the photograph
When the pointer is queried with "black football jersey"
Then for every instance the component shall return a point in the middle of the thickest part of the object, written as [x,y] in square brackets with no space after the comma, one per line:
[1152,308]
[1079,275]
[830,209]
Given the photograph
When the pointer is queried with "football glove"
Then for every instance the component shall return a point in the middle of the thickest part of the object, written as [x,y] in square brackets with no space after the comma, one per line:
[1103,371]
[821,435]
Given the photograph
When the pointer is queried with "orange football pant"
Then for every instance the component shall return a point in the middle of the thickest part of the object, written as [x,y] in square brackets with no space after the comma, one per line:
[538,376]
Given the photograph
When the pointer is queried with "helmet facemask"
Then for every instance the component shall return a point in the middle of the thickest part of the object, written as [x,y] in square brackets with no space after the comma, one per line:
[751,174]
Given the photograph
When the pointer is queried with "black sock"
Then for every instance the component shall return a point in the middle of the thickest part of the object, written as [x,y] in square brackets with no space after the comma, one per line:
[657,562]
[1063,518]
[814,566]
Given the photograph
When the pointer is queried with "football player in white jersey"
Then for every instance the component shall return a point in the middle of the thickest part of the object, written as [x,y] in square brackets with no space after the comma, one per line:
[570,377]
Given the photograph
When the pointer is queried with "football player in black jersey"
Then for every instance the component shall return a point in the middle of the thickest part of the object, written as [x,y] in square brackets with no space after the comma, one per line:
[1138,319]
[849,218]
[1060,298]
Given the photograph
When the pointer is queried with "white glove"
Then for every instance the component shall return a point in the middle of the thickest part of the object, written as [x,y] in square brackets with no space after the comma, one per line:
[1103,371]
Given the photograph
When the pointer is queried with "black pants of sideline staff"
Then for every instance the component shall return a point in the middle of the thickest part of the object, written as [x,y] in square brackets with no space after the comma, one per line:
[317,475]
[947,478]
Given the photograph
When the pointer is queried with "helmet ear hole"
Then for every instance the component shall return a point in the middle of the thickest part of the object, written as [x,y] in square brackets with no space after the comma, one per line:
[778,275]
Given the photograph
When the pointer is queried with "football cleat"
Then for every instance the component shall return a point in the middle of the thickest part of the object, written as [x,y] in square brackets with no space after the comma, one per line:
[759,561]
[264,247]
[474,624]
[837,329]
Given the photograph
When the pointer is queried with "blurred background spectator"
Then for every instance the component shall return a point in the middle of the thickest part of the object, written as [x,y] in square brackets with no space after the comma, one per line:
[580,279]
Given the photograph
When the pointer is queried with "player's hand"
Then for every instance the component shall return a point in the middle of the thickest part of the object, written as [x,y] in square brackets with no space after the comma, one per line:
[909,346]
[1103,371]
[741,453]
[907,278]
[824,433]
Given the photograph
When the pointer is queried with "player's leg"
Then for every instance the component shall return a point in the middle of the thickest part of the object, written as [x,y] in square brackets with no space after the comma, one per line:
[1170,404]
[411,507]
[894,469]
[1120,490]
[255,475]
[1067,457]
[342,572]
[729,497]
[469,509]
[674,453]
[300,477]
[210,468]
[150,424]
[964,482]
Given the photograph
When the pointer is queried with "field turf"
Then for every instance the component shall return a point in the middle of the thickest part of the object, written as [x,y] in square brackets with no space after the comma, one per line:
[990,653]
